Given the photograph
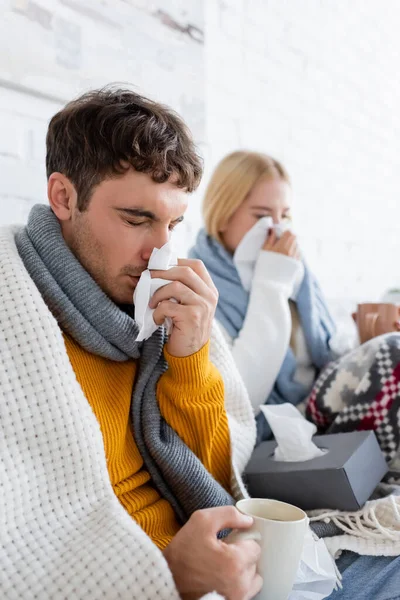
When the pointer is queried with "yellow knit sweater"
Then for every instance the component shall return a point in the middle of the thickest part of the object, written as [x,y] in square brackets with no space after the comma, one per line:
[191,399]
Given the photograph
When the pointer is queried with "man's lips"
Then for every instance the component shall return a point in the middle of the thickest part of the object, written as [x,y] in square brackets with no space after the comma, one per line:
[134,278]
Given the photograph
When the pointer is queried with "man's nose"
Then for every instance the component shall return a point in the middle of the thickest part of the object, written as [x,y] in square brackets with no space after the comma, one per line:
[157,239]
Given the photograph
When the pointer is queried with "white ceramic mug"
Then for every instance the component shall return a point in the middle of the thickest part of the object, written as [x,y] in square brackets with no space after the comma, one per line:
[280,529]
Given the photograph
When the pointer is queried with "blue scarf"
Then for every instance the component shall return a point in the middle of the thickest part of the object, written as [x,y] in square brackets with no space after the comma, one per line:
[314,316]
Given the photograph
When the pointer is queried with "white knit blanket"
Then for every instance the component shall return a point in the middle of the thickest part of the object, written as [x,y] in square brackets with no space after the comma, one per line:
[64,533]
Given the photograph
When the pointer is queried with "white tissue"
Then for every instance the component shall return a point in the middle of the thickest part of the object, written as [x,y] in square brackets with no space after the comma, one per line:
[280,228]
[161,259]
[247,252]
[317,575]
[292,433]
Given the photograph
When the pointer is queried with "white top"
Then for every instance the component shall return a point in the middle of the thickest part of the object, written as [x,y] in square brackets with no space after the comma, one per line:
[64,533]
[261,346]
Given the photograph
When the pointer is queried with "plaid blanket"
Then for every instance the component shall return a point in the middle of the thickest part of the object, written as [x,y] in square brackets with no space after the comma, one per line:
[361,391]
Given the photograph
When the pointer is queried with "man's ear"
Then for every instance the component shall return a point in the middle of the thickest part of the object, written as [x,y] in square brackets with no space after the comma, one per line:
[62,196]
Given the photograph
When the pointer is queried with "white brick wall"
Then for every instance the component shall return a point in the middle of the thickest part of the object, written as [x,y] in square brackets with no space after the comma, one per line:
[314,83]
[52,50]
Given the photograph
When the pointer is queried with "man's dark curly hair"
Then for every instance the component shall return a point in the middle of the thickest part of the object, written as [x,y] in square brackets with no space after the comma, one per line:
[105,132]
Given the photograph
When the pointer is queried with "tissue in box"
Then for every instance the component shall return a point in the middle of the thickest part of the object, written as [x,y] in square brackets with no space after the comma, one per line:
[343,478]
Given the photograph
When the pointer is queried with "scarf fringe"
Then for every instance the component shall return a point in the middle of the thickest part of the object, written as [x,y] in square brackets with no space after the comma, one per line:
[378,520]
[338,584]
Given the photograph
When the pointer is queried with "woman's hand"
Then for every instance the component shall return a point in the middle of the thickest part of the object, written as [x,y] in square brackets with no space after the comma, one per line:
[286,245]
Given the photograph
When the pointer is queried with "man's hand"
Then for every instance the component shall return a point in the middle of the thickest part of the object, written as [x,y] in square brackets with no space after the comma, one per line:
[286,245]
[192,314]
[200,563]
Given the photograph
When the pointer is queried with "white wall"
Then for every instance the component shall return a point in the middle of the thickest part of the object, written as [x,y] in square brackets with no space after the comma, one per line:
[52,50]
[314,83]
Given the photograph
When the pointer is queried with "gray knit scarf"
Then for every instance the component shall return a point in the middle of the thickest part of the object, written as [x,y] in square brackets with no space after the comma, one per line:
[84,311]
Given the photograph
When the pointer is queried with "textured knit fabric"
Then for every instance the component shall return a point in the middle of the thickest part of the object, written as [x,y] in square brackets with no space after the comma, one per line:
[361,392]
[84,311]
[314,316]
[64,533]
[372,530]
[108,387]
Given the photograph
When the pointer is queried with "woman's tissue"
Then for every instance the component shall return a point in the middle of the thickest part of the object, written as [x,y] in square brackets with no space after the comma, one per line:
[247,252]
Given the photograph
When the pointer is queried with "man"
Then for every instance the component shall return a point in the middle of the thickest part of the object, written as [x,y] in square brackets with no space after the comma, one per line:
[118,469]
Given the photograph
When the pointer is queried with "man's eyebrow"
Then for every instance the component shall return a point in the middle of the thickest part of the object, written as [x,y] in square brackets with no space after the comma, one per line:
[138,212]
[147,214]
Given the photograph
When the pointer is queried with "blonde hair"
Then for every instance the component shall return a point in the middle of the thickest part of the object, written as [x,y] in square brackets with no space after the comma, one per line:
[232,181]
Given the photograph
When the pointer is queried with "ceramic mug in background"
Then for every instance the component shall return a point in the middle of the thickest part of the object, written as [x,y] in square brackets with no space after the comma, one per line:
[280,529]
[374,319]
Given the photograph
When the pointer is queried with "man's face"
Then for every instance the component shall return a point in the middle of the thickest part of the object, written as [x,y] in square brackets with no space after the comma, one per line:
[126,218]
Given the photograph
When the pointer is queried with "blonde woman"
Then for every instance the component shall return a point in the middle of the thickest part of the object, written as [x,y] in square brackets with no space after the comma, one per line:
[278,362]
[280,330]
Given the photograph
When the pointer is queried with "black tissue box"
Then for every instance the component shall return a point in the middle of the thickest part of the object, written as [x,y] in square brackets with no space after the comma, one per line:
[343,478]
